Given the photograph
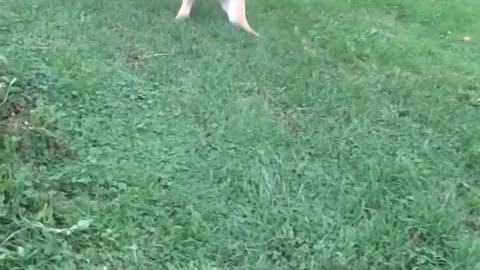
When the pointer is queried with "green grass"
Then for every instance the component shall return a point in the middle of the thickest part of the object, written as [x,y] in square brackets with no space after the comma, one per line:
[347,138]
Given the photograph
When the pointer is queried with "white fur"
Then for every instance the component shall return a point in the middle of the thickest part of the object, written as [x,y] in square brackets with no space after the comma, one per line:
[230,7]
[235,10]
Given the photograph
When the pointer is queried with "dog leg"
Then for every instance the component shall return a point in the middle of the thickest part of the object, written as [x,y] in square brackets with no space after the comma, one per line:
[185,9]
[235,10]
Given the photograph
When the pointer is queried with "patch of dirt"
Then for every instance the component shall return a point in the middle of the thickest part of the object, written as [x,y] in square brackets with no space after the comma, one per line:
[473,222]
[15,115]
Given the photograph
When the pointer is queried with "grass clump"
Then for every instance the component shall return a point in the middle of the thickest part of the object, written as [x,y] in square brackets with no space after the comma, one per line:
[28,144]
[346,139]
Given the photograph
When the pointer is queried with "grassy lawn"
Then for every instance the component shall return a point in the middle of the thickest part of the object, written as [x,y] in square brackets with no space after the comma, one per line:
[347,138]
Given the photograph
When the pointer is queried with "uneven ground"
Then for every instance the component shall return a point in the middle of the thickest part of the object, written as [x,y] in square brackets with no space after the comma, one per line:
[348,138]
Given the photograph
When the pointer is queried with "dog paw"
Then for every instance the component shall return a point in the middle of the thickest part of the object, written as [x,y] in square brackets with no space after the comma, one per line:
[181,16]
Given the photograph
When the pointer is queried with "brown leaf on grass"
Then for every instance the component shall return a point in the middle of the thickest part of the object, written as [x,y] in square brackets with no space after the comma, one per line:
[135,62]
[289,120]
[415,235]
